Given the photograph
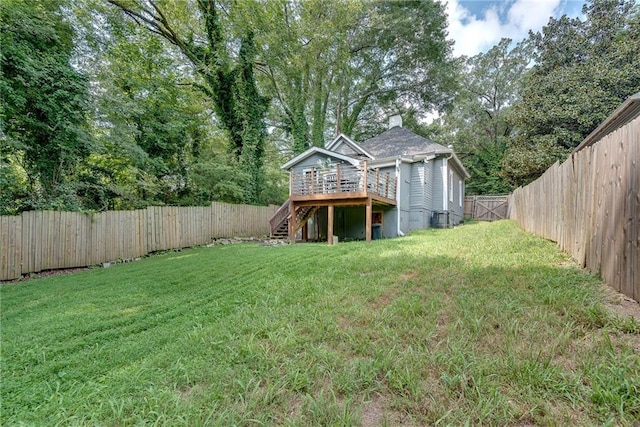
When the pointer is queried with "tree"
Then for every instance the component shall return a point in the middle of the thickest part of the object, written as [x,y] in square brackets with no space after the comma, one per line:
[583,70]
[478,123]
[151,122]
[44,104]
[334,66]
[399,58]
[229,80]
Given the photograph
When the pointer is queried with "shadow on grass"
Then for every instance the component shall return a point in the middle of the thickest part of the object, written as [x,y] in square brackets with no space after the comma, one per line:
[446,325]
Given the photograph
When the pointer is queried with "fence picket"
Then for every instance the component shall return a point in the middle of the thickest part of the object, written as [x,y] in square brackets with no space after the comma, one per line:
[590,206]
[46,240]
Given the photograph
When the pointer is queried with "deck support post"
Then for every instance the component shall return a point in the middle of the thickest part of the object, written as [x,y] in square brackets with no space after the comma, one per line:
[368,220]
[365,186]
[292,222]
[305,231]
[330,224]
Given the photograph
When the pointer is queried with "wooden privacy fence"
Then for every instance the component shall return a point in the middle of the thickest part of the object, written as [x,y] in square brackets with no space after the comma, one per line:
[590,205]
[486,208]
[45,240]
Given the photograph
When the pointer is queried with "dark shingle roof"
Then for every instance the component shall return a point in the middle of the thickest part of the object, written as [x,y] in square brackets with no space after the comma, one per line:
[399,141]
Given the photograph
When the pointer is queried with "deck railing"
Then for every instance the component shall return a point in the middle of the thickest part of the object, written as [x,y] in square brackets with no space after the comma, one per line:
[342,179]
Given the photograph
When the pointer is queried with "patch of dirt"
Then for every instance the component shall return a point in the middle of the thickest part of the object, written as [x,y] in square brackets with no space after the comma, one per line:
[184,393]
[621,304]
[385,299]
[377,412]
[46,273]
[295,408]
[409,275]
[373,412]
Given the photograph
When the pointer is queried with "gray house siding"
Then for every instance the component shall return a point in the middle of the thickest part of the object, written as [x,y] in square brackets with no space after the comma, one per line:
[390,223]
[312,161]
[349,222]
[456,206]
[346,150]
[428,186]
[417,211]
[438,184]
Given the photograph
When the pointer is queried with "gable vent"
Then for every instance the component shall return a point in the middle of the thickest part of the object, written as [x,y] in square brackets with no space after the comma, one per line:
[395,121]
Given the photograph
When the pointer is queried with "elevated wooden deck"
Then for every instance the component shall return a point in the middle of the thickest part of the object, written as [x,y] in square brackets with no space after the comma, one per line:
[343,185]
[339,185]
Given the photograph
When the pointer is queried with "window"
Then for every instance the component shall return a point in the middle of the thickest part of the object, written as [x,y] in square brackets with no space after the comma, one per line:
[451,186]
[460,192]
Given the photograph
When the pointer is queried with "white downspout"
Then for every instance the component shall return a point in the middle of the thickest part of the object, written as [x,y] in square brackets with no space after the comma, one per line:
[398,195]
[445,182]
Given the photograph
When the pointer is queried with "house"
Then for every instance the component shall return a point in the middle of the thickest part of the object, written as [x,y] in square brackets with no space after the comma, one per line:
[383,187]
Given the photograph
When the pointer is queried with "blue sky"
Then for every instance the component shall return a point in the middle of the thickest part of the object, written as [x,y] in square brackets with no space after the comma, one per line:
[477,25]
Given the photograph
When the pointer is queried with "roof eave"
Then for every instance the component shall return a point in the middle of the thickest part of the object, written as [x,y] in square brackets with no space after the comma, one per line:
[297,159]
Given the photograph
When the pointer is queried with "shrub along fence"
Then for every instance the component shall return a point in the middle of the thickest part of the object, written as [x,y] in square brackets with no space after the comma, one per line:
[45,240]
[590,204]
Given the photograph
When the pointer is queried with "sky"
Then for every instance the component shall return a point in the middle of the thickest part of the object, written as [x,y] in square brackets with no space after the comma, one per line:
[477,25]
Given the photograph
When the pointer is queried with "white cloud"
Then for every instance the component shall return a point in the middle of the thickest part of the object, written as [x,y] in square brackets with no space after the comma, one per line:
[473,35]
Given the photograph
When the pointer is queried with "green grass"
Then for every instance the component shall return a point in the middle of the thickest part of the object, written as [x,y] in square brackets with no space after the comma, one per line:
[482,324]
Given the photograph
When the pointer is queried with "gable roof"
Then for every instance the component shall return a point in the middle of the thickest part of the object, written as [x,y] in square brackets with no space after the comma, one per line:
[344,139]
[396,142]
[300,157]
[399,141]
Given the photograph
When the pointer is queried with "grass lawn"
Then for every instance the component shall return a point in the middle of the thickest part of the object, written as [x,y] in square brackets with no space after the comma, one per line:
[481,324]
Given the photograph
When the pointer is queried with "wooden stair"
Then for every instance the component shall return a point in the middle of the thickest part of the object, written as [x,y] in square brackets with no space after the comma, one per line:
[279,222]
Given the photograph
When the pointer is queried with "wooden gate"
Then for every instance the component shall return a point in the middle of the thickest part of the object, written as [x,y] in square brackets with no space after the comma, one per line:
[486,208]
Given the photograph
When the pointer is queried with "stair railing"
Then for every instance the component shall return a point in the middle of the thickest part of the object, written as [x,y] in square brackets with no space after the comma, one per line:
[279,217]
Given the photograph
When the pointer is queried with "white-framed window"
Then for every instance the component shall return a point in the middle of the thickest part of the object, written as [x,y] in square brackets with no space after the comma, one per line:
[460,192]
[451,186]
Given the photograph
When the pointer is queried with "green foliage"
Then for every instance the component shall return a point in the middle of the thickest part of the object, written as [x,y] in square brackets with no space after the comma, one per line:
[251,109]
[481,325]
[229,81]
[217,178]
[44,107]
[152,123]
[328,68]
[583,71]
[477,125]
[485,168]
[13,186]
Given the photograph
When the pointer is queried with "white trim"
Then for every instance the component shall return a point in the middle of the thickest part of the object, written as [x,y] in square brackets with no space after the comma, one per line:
[319,150]
[382,165]
[451,185]
[398,193]
[445,185]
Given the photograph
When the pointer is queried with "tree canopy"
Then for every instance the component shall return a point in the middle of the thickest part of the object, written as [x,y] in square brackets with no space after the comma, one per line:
[523,106]
[583,70]
[44,105]
[127,103]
